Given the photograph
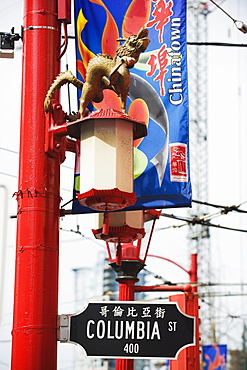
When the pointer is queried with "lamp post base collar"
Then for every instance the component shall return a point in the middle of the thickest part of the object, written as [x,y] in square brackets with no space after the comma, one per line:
[128,270]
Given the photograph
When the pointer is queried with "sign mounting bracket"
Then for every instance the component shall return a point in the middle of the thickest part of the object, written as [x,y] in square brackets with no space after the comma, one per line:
[63,328]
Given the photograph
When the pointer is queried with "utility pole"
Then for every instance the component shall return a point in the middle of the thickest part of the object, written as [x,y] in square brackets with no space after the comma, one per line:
[199,237]
[34,344]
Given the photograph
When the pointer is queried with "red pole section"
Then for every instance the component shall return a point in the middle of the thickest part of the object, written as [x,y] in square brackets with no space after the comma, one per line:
[34,344]
[163,288]
[188,358]
[193,268]
[126,293]
[126,290]
[168,260]
[193,271]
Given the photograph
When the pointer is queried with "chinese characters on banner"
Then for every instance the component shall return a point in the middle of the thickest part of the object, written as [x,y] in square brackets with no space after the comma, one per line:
[158,82]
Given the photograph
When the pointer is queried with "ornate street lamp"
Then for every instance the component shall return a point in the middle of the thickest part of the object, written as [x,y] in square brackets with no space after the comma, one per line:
[127,256]
[106,159]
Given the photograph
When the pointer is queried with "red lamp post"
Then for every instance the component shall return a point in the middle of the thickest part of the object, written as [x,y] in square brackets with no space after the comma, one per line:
[129,271]
[34,344]
[129,265]
[189,357]
[193,268]
[127,260]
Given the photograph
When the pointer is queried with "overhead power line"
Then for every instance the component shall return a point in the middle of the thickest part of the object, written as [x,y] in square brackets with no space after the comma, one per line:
[220,294]
[205,220]
[198,43]
[226,209]
[210,43]
[77,231]
[197,221]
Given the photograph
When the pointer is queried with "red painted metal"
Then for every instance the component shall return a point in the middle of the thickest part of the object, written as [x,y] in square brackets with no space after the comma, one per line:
[64,11]
[55,131]
[119,234]
[57,128]
[131,252]
[126,293]
[152,214]
[139,127]
[163,288]
[188,358]
[168,260]
[105,227]
[193,271]
[193,268]
[119,255]
[188,303]
[107,199]
[126,290]
[34,344]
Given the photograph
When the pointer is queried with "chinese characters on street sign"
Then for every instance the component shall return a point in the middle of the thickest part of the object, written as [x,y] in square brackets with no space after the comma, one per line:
[132,330]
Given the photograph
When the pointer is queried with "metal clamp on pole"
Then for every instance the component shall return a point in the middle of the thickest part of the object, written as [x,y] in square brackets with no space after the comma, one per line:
[56,140]
[63,325]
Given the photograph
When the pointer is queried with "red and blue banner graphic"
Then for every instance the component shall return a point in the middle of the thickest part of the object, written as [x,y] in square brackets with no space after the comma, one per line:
[214,357]
[158,88]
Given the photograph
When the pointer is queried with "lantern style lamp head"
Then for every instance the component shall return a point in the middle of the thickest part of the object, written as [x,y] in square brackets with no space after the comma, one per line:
[106,135]
[128,258]
[106,164]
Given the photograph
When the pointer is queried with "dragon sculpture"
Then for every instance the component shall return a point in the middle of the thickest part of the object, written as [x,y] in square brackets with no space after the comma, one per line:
[105,72]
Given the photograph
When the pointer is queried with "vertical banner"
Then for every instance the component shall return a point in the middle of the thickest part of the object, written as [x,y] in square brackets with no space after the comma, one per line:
[158,93]
[214,357]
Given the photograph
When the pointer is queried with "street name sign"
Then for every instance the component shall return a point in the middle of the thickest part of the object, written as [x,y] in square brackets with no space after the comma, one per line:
[132,330]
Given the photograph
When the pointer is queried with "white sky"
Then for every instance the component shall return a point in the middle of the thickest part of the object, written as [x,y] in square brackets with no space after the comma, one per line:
[227,178]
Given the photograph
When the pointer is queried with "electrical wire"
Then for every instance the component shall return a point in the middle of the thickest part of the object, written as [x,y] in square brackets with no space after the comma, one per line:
[220,294]
[9,150]
[196,221]
[208,43]
[204,43]
[82,235]
[223,310]
[226,208]
[8,174]
[205,220]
